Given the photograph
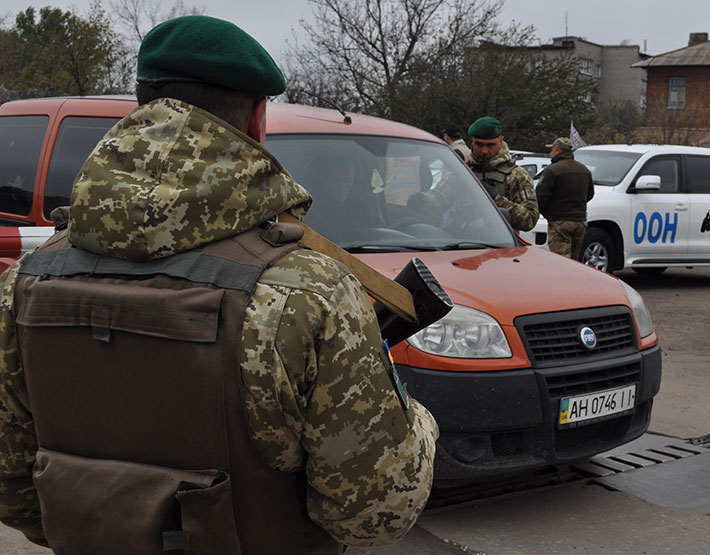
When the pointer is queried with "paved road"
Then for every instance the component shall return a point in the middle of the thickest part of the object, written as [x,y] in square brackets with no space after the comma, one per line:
[655,511]
[679,300]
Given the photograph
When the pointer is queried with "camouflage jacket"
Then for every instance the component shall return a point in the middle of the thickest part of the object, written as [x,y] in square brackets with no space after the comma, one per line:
[510,186]
[170,177]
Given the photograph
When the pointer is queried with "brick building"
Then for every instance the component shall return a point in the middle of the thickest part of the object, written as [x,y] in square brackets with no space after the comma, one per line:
[678,86]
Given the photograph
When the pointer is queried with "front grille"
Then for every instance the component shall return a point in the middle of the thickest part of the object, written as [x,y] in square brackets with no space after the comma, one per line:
[597,437]
[580,383]
[508,444]
[554,338]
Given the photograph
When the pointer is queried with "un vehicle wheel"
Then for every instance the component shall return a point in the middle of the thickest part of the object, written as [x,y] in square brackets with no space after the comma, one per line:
[598,250]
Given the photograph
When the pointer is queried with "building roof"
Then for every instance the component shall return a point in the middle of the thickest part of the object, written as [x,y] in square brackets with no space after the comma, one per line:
[696,55]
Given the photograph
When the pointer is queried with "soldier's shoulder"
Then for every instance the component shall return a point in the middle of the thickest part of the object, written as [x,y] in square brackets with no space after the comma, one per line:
[520,175]
[307,270]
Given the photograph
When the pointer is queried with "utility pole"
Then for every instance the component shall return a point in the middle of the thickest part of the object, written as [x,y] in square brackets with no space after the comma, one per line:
[566,24]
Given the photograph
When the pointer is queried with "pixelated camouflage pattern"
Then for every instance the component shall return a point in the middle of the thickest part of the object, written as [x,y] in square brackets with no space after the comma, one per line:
[519,196]
[566,238]
[318,392]
[19,504]
[184,178]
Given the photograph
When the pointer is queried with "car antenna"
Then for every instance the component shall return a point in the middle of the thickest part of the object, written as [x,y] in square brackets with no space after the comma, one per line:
[346,118]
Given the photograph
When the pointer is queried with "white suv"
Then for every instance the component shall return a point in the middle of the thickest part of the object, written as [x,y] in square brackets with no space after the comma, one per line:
[651,207]
[531,162]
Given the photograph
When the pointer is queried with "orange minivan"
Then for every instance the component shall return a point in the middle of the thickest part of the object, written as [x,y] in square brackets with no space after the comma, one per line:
[542,360]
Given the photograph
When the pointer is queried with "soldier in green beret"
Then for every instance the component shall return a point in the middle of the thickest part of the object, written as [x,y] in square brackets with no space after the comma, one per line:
[225,390]
[510,186]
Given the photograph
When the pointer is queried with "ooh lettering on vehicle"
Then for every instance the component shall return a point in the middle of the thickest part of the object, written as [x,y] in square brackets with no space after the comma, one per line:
[655,227]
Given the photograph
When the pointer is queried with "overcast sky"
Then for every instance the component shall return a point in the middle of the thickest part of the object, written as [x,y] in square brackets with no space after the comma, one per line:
[661,26]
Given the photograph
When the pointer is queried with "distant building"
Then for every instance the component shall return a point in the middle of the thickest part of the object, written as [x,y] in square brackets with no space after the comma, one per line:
[678,90]
[611,66]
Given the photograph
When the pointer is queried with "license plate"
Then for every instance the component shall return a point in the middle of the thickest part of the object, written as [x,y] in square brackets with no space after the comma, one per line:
[596,405]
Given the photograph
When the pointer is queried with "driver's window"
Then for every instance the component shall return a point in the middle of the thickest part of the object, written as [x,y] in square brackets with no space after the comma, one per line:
[667,169]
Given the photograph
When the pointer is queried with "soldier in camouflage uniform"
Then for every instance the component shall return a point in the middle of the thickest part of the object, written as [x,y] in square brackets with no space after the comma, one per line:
[510,187]
[565,188]
[171,179]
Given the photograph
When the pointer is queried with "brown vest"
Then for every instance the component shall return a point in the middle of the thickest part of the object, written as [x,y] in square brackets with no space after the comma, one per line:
[133,374]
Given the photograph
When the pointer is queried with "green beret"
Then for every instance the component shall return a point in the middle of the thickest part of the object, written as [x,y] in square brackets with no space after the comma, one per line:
[485,128]
[202,49]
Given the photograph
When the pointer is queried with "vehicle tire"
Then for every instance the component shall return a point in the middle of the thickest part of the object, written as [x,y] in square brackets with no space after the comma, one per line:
[650,271]
[598,250]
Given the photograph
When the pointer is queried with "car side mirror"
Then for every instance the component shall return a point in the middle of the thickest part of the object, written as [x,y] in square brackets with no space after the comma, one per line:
[648,183]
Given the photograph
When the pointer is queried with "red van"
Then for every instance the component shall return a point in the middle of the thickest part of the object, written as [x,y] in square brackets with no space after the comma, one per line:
[542,361]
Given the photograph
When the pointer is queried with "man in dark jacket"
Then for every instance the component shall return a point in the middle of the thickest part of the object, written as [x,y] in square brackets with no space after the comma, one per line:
[562,195]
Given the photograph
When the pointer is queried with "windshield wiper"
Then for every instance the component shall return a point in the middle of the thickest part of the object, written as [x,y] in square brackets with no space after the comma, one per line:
[363,248]
[465,245]
[462,245]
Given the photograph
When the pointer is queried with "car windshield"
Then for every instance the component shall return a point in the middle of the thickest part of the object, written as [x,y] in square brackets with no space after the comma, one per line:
[375,194]
[608,167]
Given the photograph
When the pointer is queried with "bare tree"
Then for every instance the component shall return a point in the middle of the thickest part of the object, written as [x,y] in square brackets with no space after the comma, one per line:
[618,121]
[137,17]
[684,126]
[363,52]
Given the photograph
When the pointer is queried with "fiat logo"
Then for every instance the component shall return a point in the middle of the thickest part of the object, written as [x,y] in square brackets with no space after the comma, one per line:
[588,337]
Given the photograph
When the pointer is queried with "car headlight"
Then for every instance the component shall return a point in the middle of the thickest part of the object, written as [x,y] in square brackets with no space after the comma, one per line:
[643,315]
[463,333]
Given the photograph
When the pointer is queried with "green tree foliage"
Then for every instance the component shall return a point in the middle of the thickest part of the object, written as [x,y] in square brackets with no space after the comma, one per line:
[430,62]
[59,52]
[535,97]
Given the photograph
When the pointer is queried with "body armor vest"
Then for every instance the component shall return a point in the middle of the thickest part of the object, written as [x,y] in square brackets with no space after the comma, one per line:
[133,375]
[495,180]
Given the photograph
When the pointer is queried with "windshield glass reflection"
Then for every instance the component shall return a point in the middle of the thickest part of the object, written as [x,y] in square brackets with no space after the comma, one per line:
[381,193]
[608,167]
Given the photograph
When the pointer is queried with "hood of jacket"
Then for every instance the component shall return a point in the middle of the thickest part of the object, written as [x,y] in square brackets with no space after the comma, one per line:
[170,177]
[503,155]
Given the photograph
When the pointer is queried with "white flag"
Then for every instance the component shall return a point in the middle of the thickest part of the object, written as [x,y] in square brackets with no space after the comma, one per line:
[575,138]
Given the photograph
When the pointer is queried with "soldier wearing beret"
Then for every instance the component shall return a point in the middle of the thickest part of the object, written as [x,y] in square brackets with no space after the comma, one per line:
[565,188]
[510,186]
[176,372]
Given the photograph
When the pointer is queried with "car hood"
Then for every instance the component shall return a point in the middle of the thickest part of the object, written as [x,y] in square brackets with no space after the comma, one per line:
[511,282]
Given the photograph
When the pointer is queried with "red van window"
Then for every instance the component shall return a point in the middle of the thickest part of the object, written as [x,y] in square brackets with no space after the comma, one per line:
[76,139]
[20,145]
